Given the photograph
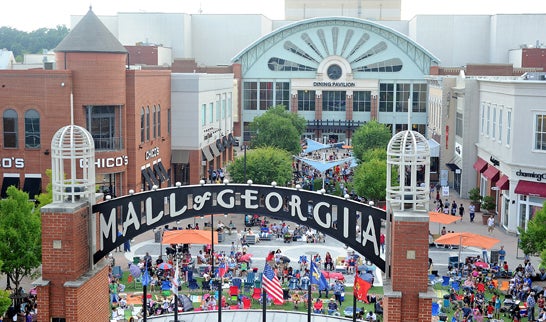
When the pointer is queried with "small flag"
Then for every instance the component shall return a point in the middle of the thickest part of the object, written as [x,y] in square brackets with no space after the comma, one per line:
[317,278]
[271,284]
[361,289]
[146,277]
[176,280]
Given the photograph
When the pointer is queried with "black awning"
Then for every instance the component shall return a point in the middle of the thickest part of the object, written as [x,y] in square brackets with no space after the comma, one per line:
[9,181]
[157,172]
[219,145]
[231,139]
[147,178]
[452,166]
[32,186]
[153,176]
[164,172]
[225,142]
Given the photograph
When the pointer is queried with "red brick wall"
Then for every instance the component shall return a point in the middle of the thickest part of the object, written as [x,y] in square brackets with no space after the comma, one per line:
[409,276]
[146,55]
[533,57]
[91,301]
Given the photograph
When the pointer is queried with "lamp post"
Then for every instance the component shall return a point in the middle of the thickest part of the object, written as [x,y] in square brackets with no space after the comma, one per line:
[244,161]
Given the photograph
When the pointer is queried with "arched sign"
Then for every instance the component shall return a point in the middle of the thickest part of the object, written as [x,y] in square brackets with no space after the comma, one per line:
[330,215]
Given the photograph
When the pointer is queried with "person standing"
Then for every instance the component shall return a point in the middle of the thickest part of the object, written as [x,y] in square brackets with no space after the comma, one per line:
[461,211]
[531,306]
[454,208]
[502,254]
[382,242]
[490,224]
[472,212]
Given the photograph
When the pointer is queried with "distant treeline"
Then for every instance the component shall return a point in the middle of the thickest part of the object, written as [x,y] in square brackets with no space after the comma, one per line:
[34,42]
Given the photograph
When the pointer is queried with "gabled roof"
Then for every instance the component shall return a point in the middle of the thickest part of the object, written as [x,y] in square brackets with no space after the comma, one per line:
[90,35]
[6,59]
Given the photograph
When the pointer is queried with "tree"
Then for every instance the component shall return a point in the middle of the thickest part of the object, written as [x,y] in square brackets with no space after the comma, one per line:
[34,42]
[5,302]
[370,179]
[20,233]
[375,153]
[533,240]
[263,166]
[369,136]
[278,128]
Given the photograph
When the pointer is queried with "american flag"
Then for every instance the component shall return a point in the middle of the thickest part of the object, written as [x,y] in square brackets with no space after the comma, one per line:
[271,284]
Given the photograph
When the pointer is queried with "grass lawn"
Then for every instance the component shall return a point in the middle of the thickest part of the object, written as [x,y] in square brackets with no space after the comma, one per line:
[302,307]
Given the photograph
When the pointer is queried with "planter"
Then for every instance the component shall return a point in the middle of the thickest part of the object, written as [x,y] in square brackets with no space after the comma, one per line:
[486,214]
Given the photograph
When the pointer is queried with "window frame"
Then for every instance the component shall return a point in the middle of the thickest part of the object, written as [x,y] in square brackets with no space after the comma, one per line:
[34,131]
[12,133]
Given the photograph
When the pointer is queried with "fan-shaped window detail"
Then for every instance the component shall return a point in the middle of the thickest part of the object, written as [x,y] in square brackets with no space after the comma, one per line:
[348,37]
[335,35]
[32,129]
[311,44]
[291,47]
[361,41]
[322,38]
[389,66]
[279,64]
[382,46]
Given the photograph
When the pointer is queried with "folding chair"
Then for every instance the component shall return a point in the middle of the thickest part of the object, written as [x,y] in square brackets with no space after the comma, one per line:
[435,309]
[456,286]
[504,286]
[236,281]
[192,285]
[257,294]
[234,293]
[249,282]
[258,281]
[445,281]
[247,303]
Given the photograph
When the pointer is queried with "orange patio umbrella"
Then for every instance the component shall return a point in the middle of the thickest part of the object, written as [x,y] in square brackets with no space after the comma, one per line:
[467,239]
[189,236]
[441,218]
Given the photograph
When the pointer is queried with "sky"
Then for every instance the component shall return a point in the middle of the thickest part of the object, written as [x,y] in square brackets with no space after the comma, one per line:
[33,14]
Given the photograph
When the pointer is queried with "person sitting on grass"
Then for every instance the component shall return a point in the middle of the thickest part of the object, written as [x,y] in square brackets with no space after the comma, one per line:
[317,306]
[296,299]
[332,307]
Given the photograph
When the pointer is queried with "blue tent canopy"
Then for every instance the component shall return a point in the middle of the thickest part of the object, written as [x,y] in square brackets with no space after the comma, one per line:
[322,166]
[313,145]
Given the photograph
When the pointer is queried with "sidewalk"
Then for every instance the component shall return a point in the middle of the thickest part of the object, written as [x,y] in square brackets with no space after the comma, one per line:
[514,256]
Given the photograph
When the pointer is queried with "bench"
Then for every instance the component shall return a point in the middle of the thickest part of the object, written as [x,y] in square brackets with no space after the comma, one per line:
[251,239]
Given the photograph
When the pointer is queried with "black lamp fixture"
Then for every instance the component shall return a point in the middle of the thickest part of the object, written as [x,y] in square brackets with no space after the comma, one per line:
[46,152]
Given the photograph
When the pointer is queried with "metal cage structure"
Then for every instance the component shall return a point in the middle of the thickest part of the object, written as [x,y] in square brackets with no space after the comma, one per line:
[408,158]
[73,165]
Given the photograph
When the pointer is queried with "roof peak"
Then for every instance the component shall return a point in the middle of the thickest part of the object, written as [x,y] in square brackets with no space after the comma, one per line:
[90,35]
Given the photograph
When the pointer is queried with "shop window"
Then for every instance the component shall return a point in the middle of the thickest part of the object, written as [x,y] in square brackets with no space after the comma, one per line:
[32,129]
[158,120]
[266,95]
[402,97]
[386,97]
[147,123]
[540,132]
[306,100]
[419,98]
[104,124]
[142,125]
[459,125]
[334,101]
[508,126]
[10,128]
[362,101]
[154,130]
[282,94]
[250,95]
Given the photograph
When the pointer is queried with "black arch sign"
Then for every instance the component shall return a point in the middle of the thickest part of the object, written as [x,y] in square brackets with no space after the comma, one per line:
[333,216]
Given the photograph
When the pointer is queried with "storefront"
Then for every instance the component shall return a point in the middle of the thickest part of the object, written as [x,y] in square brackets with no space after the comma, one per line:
[531,194]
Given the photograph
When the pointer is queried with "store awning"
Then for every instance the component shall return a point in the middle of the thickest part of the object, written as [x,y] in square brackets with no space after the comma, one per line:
[220,145]
[180,156]
[158,173]
[164,171]
[207,154]
[214,149]
[226,142]
[434,148]
[491,173]
[153,176]
[146,177]
[9,180]
[530,188]
[452,166]
[503,183]
[480,165]
[32,185]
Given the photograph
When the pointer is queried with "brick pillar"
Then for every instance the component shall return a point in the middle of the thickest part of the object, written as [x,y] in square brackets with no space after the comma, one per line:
[374,107]
[294,103]
[69,285]
[407,294]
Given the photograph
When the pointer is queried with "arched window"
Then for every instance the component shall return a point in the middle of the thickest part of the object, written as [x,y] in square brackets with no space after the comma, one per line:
[142,125]
[159,120]
[154,130]
[147,123]
[10,128]
[32,129]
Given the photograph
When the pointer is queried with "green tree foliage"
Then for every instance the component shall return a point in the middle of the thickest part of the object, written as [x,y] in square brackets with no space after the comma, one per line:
[278,128]
[375,153]
[533,240]
[5,301]
[370,179]
[21,42]
[369,136]
[46,197]
[263,166]
[20,233]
